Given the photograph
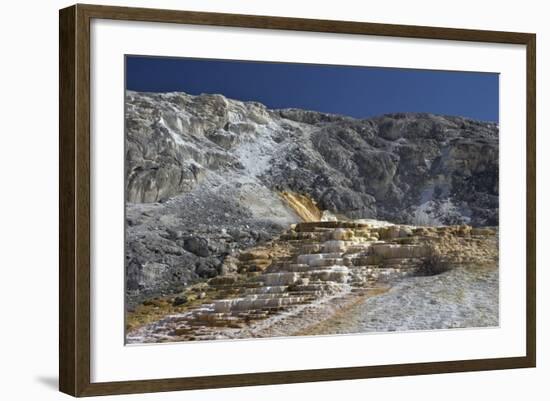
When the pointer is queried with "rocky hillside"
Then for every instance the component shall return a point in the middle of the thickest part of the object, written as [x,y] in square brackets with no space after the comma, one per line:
[328,277]
[206,177]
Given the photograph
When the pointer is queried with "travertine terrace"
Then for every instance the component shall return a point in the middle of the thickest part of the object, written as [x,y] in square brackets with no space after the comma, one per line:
[293,282]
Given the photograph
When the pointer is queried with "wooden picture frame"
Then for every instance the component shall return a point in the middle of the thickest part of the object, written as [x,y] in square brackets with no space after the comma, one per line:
[74,200]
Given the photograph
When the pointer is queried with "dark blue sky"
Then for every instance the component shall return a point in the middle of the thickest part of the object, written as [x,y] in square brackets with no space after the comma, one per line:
[353,91]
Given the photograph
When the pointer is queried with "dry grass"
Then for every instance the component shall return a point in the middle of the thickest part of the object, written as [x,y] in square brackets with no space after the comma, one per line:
[448,250]
[434,263]
[152,310]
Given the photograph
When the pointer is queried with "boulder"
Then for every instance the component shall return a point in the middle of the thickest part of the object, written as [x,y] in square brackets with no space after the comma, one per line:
[181,300]
[196,245]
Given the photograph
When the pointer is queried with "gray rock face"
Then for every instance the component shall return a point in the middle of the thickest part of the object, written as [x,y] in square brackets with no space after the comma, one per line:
[198,246]
[172,140]
[407,168]
[203,175]
[188,238]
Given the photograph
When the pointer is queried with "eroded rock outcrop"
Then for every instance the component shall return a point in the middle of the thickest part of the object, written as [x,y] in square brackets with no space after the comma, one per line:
[399,167]
[207,177]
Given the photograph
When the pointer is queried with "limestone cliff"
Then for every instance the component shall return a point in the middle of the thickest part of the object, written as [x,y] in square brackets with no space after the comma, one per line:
[205,174]
[398,167]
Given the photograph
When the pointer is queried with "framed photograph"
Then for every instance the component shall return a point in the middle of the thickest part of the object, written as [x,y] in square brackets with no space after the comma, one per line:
[249,200]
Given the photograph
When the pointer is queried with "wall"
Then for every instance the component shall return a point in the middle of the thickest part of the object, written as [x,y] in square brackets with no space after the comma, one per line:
[28,168]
